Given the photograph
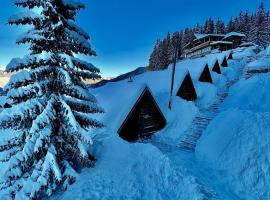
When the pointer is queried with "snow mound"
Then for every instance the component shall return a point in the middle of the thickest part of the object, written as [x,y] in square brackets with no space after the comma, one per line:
[251,94]
[259,64]
[236,143]
[240,151]
[132,171]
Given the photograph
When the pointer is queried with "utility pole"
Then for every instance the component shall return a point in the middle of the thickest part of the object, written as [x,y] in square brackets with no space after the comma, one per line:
[173,74]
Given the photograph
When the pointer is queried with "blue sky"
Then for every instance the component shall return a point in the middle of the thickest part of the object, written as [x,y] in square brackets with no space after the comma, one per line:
[124,32]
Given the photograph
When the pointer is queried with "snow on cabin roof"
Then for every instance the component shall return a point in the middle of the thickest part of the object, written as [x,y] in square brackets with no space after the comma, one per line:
[194,66]
[212,58]
[118,98]
[200,35]
[234,34]
[247,44]
[220,42]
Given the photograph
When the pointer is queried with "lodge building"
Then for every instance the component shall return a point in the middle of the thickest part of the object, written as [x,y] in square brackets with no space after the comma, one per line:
[206,43]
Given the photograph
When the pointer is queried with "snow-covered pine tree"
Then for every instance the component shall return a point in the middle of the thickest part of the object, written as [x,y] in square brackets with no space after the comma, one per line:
[50,115]
[230,26]
[219,27]
[260,29]
[246,23]
[153,60]
[175,45]
[209,26]
[240,23]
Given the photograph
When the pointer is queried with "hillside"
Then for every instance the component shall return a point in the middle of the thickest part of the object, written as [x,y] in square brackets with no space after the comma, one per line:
[4,78]
[231,159]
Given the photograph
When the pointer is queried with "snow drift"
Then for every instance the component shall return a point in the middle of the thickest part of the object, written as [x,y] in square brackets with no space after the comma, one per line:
[236,143]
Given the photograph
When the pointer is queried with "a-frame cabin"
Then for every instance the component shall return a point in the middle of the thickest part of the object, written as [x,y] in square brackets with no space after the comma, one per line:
[144,119]
[216,67]
[230,57]
[187,90]
[224,62]
[206,75]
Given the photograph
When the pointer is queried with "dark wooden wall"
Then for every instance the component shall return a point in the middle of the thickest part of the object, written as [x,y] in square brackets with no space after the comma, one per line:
[224,62]
[206,75]
[216,68]
[187,90]
[144,120]
[230,57]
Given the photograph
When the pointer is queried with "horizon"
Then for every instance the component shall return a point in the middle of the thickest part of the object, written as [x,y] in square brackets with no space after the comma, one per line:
[123,39]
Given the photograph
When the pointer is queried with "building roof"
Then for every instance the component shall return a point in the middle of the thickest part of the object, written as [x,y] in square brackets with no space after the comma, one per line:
[220,42]
[234,34]
[194,66]
[247,44]
[201,36]
[118,98]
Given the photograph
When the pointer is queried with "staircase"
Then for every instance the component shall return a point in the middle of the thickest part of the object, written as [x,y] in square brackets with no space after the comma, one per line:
[205,116]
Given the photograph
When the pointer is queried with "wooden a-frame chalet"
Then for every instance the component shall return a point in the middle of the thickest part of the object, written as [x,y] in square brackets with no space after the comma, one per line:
[144,119]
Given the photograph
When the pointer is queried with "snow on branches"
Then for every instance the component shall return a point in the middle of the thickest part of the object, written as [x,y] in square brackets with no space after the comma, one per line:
[46,132]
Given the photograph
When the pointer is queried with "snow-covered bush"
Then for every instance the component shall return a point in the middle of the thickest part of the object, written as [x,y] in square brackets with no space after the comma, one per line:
[51,108]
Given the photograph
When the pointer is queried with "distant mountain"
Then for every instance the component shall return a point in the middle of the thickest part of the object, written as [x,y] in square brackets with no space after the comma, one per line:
[133,73]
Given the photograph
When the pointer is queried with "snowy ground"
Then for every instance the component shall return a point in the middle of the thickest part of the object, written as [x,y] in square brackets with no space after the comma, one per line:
[231,160]
[239,152]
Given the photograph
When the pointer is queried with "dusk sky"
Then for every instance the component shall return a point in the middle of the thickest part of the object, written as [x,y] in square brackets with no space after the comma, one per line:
[124,32]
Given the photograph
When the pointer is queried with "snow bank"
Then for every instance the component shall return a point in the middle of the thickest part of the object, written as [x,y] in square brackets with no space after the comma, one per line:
[244,52]
[259,64]
[251,94]
[132,171]
[236,143]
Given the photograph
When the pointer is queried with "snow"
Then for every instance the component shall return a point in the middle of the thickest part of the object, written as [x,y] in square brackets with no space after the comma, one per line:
[2,101]
[234,34]
[132,171]
[200,36]
[235,145]
[259,64]
[247,44]
[23,15]
[122,100]
[141,170]
[220,42]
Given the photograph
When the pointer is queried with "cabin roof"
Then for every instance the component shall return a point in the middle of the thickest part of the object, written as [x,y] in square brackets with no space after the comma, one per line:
[118,98]
[212,58]
[201,36]
[220,42]
[234,34]
[247,44]
[194,66]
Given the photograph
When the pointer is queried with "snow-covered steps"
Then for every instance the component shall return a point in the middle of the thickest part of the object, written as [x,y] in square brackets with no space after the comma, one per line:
[201,122]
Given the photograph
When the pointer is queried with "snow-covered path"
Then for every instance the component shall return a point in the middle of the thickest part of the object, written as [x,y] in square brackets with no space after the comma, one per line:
[182,155]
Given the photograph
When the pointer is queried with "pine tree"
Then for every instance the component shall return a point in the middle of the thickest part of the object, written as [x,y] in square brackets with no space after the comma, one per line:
[220,27]
[209,26]
[175,45]
[153,60]
[240,23]
[260,29]
[198,28]
[51,107]
[230,26]
[246,23]
[160,56]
